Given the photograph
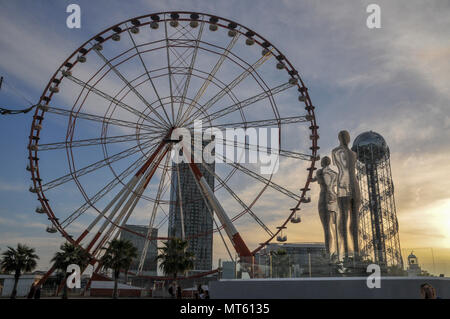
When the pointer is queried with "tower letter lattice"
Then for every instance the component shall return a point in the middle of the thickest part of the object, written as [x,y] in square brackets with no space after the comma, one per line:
[378,224]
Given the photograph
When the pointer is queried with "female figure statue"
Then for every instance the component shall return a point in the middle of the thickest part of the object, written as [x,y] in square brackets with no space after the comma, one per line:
[327,178]
[348,195]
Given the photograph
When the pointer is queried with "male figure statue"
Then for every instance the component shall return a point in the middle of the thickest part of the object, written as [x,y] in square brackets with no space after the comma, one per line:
[348,196]
[327,178]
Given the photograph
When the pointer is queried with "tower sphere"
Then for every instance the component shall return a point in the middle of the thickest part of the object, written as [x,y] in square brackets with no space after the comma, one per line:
[370,147]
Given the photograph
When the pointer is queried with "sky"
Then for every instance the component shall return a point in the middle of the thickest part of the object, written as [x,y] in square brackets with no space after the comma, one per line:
[394,80]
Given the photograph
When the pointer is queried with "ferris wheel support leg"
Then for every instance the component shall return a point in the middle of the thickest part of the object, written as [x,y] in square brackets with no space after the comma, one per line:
[234,236]
[127,189]
[88,284]
[132,202]
[61,285]
[97,219]
[152,219]
[116,220]
[231,231]
[99,233]
[113,212]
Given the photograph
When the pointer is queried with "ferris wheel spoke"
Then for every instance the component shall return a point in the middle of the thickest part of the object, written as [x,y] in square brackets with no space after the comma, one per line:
[191,67]
[176,84]
[180,203]
[180,58]
[133,89]
[105,190]
[149,77]
[100,119]
[262,179]
[169,69]
[252,100]
[95,166]
[256,148]
[189,74]
[111,224]
[236,197]
[264,123]
[209,79]
[117,102]
[126,210]
[166,215]
[154,210]
[164,220]
[211,102]
[95,141]
[141,178]
[119,199]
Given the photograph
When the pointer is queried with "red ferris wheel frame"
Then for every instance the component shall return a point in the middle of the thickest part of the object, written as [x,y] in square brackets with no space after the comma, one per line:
[107,34]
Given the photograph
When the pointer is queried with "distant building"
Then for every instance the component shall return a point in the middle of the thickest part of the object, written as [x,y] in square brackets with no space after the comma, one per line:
[197,219]
[414,269]
[301,260]
[150,264]
[228,270]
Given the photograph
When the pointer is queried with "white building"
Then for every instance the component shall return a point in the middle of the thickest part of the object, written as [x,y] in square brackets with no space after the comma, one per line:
[413,266]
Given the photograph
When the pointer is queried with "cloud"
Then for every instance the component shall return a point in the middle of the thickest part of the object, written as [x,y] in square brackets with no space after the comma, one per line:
[11,187]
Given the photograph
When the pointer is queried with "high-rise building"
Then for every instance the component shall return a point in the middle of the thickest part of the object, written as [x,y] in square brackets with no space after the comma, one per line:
[378,224]
[197,218]
[150,265]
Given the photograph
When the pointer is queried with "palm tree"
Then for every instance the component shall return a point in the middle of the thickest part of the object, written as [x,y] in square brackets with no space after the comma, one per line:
[22,259]
[175,259]
[69,254]
[118,256]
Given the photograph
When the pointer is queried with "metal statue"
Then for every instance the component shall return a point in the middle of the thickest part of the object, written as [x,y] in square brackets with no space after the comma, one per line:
[326,178]
[348,196]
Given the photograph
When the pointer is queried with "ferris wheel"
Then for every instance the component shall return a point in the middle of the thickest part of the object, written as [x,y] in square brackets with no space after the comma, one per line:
[100,144]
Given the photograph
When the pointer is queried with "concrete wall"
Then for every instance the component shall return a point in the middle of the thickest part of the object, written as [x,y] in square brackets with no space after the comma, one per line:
[98,292]
[326,288]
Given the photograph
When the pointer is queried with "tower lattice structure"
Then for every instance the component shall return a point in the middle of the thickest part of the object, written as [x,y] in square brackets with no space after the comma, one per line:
[378,224]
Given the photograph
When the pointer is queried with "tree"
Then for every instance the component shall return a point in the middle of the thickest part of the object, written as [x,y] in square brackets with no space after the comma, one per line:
[19,260]
[396,270]
[357,266]
[425,273]
[118,256]
[69,254]
[174,257]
